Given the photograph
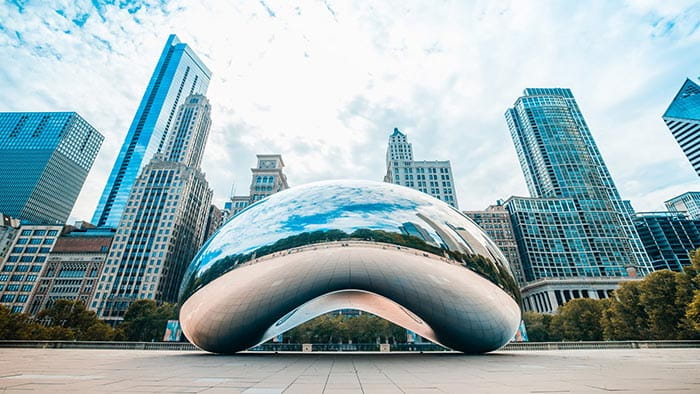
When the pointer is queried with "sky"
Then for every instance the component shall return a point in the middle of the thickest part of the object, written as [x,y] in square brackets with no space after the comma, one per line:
[325,82]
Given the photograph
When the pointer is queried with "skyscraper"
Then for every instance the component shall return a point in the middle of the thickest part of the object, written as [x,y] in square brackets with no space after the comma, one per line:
[430,177]
[178,74]
[267,178]
[574,225]
[668,237]
[495,221]
[44,160]
[683,119]
[688,202]
[164,220]
[24,263]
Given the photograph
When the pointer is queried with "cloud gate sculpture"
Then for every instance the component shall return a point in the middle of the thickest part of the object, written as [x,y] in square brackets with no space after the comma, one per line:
[377,247]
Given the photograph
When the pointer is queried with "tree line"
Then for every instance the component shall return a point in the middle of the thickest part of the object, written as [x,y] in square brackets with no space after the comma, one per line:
[70,320]
[665,305]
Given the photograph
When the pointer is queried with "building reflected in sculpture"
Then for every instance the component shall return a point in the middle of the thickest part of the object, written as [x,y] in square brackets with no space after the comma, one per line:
[378,247]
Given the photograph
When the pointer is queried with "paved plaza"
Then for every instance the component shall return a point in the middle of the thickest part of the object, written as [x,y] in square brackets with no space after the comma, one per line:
[561,371]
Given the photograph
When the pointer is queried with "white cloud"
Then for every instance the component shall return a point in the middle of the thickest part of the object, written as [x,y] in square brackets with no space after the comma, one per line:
[324,83]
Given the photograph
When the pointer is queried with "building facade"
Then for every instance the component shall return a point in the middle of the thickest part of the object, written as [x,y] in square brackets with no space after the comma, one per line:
[683,119]
[164,221]
[574,225]
[214,218]
[495,221]
[24,264]
[9,227]
[178,74]
[45,158]
[688,202]
[668,237]
[267,179]
[430,177]
[72,268]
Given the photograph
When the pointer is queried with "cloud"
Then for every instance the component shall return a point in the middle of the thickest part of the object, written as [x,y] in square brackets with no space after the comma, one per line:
[324,83]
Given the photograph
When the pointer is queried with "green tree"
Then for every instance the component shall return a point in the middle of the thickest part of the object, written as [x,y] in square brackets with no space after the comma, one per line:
[579,320]
[538,327]
[665,296]
[624,316]
[70,320]
[19,326]
[145,320]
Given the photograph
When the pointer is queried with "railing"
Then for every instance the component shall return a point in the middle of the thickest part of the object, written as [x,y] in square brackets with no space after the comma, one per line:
[352,347]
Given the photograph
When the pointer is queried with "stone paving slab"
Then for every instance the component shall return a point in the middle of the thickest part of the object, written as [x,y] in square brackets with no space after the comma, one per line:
[557,371]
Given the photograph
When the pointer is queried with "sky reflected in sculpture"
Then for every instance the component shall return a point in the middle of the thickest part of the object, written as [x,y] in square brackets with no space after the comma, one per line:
[333,210]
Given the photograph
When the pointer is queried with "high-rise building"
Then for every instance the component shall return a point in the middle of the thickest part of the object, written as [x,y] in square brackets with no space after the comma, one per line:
[574,225]
[178,74]
[430,177]
[44,160]
[267,178]
[688,202]
[9,228]
[164,220]
[24,263]
[495,220]
[213,221]
[683,119]
[72,268]
[668,237]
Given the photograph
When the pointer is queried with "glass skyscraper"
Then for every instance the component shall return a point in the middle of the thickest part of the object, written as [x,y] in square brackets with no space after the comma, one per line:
[683,119]
[164,222]
[44,160]
[668,237]
[178,74]
[574,224]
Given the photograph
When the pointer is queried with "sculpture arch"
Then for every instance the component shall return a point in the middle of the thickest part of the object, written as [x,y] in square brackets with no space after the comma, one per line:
[377,247]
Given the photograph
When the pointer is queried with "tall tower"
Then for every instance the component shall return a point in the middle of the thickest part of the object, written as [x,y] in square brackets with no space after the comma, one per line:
[44,160]
[575,224]
[683,119]
[164,220]
[431,177]
[179,73]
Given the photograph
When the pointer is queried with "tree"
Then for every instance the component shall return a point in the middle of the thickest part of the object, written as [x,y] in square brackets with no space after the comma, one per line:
[579,320]
[624,317]
[665,295]
[538,327]
[70,320]
[19,326]
[144,320]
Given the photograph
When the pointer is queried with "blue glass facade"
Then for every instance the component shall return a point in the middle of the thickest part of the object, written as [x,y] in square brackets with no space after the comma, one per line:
[178,74]
[683,119]
[575,223]
[44,160]
[668,237]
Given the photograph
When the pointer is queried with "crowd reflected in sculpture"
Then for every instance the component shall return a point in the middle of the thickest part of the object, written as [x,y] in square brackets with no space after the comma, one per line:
[378,247]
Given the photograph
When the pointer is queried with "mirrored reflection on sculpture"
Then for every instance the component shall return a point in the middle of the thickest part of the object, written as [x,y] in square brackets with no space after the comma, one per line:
[378,247]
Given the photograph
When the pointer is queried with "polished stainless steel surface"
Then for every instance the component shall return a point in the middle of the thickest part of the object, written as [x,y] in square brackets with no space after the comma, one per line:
[399,253]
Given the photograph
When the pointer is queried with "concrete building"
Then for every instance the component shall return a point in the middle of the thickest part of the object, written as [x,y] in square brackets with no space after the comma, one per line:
[178,74]
[24,263]
[668,237]
[72,268]
[267,178]
[683,119]
[44,160]
[430,177]
[164,220]
[575,226]
[495,221]
[214,218]
[688,202]
[9,228]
